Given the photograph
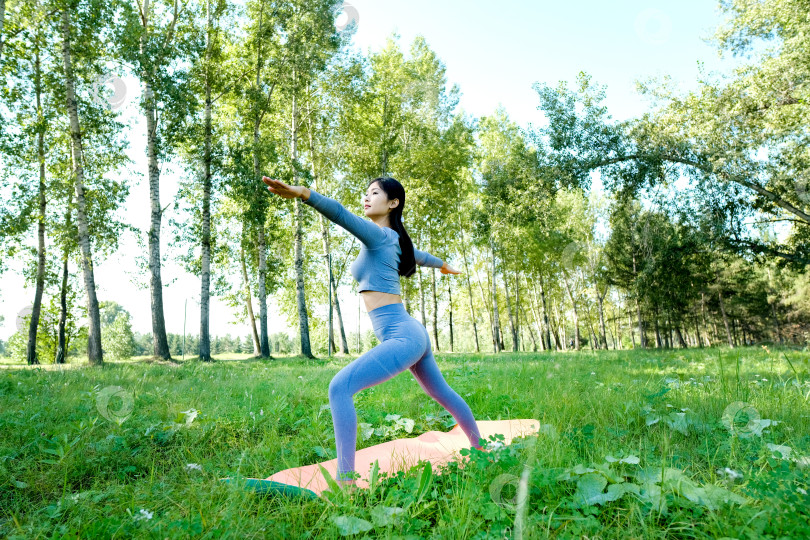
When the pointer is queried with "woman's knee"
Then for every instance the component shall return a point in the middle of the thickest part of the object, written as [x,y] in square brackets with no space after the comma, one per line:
[339,385]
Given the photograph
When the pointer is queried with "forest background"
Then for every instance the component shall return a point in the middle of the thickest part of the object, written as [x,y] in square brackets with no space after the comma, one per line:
[669,214]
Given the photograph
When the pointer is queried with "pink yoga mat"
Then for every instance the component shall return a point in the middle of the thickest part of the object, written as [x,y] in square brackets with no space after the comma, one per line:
[438,447]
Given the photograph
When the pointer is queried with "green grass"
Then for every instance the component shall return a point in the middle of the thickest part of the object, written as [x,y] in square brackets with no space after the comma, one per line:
[68,470]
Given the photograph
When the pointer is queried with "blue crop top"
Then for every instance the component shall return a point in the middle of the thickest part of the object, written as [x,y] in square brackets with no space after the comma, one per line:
[377,266]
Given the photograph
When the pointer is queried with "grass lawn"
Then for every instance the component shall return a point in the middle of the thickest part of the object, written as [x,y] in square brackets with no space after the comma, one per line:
[646,444]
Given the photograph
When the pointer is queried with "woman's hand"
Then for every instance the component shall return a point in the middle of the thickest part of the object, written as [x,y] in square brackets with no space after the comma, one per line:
[448,270]
[280,188]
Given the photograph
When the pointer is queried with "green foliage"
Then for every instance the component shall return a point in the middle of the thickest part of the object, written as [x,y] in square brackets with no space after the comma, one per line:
[117,339]
[399,427]
[48,330]
[714,137]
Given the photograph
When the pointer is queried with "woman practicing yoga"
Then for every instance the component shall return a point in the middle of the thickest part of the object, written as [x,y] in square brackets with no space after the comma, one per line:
[386,253]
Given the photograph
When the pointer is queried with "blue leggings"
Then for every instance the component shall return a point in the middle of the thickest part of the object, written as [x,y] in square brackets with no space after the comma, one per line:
[404,343]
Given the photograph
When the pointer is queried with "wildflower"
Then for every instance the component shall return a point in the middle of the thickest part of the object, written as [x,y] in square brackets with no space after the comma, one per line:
[144,514]
[193,466]
[494,445]
[731,474]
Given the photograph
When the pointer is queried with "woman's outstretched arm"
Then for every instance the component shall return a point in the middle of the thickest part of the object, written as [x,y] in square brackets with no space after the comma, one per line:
[423,258]
[365,230]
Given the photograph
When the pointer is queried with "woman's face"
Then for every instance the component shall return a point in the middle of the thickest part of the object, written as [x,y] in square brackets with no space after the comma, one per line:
[376,203]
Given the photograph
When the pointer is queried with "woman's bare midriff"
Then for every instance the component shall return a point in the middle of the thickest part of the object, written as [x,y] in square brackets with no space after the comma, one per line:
[375,299]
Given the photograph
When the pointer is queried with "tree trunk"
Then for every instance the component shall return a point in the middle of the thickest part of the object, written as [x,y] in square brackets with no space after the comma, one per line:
[205,277]
[161,343]
[31,350]
[725,319]
[615,335]
[706,326]
[450,311]
[576,314]
[667,339]
[261,240]
[263,335]
[537,319]
[249,300]
[678,335]
[61,350]
[61,347]
[303,319]
[495,319]
[599,301]
[632,334]
[344,342]
[509,312]
[486,303]
[642,337]
[470,294]
[558,330]
[545,309]
[325,236]
[733,330]
[94,352]
[594,340]
[658,343]
[526,318]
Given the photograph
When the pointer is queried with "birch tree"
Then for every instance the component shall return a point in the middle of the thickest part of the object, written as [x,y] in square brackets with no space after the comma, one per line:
[94,352]
[153,37]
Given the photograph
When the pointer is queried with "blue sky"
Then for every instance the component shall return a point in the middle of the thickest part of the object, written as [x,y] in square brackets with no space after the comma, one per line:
[495,53]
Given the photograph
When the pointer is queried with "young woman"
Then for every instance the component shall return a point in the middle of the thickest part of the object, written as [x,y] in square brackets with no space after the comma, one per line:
[386,253]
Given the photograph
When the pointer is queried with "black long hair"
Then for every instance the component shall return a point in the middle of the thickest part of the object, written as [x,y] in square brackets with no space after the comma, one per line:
[394,190]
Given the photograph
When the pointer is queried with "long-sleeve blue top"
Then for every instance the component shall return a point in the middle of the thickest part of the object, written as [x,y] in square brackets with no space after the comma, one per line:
[376,268]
